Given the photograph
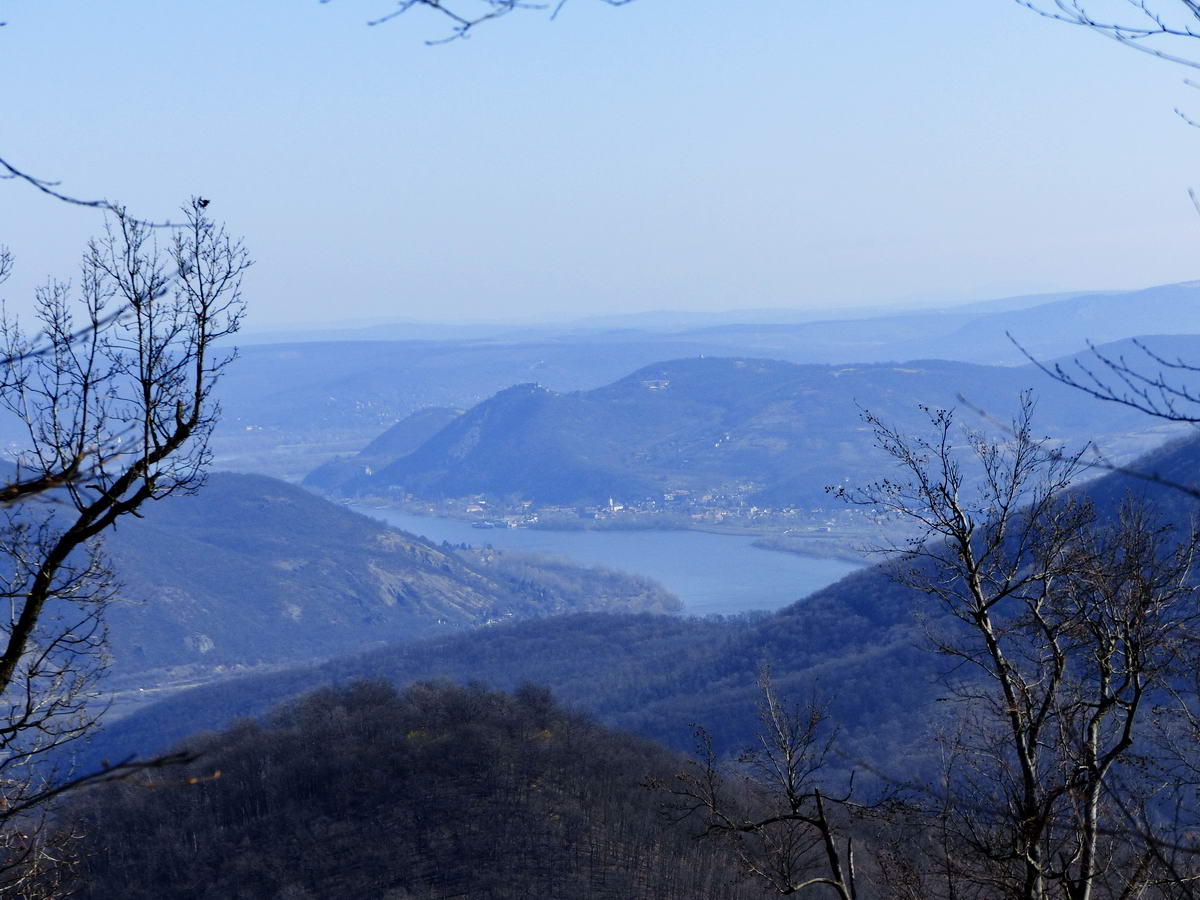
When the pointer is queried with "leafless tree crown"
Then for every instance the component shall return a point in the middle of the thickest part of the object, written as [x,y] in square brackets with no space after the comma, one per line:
[770,808]
[112,398]
[1065,636]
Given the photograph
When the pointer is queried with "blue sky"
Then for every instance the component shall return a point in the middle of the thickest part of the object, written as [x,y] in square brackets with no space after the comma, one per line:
[699,155]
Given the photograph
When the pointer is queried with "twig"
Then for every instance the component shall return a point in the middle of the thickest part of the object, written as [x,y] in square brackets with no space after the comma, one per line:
[9,171]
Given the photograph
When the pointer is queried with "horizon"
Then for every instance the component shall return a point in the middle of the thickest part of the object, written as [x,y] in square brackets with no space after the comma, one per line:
[612,160]
[729,316]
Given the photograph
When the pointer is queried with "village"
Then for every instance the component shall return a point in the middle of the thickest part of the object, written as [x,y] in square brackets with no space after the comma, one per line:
[721,512]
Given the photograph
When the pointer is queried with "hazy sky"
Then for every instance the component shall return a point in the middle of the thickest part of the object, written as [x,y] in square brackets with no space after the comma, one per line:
[704,154]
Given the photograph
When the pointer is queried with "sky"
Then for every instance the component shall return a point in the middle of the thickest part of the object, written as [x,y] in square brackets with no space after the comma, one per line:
[706,155]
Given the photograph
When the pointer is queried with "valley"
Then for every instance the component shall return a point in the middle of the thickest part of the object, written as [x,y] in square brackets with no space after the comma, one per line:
[599,450]
[861,639]
[253,574]
[705,479]
[644,550]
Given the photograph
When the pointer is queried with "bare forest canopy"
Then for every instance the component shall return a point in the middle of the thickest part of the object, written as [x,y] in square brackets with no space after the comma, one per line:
[434,792]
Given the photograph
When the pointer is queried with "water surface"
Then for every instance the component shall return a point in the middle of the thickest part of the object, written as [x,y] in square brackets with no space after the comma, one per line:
[710,573]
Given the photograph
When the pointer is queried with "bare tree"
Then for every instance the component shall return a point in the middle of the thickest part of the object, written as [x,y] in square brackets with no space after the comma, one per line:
[113,397]
[769,809]
[1160,386]
[1062,633]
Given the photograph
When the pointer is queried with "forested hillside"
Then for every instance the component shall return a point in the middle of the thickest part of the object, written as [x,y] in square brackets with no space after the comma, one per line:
[436,792]
[253,570]
[400,440]
[651,674]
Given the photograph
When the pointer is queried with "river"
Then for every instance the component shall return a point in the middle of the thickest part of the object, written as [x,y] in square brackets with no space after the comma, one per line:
[710,573]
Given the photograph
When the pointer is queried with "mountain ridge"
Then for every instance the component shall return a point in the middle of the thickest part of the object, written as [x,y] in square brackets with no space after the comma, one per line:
[761,432]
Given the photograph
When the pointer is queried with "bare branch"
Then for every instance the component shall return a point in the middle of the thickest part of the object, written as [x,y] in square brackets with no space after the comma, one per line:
[50,188]
[1147,28]
[466,15]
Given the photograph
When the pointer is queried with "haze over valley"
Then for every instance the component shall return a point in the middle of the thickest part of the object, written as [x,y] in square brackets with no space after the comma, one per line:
[726,459]
[644,549]
[615,449]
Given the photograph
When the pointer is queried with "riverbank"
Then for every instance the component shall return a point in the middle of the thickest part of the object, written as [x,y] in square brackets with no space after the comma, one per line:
[846,538]
[712,572]
[846,548]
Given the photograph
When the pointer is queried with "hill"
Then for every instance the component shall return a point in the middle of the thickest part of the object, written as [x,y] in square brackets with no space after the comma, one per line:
[653,675]
[253,570]
[740,431]
[400,440]
[436,792]
[288,407]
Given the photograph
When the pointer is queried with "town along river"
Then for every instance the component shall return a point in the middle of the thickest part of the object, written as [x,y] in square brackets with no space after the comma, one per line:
[710,573]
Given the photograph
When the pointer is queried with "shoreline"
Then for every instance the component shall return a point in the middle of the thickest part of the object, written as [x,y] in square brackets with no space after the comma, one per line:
[841,545]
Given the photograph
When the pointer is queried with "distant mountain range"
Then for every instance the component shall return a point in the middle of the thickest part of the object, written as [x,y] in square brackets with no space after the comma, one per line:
[288,407]
[659,320]
[253,570]
[751,431]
